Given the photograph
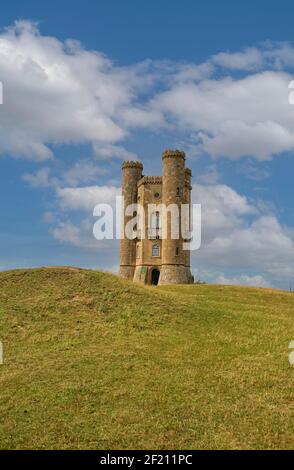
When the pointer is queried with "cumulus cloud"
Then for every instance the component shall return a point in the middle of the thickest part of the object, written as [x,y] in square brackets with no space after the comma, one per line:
[264,245]
[114,151]
[242,280]
[67,232]
[86,198]
[255,172]
[80,235]
[233,118]
[271,55]
[57,92]
[210,176]
[76,235]
[242,235]
[249,59]
[60,93]
[39,179]
[83,171]
[223,209]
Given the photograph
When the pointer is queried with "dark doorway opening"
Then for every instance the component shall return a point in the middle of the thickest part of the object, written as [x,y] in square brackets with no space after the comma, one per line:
[155,277]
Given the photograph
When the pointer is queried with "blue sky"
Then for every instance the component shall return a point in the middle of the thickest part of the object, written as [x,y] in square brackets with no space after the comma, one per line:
[209,77]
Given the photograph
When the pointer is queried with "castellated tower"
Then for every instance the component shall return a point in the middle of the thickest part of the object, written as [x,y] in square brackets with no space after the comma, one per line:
[131,174]
[153,258]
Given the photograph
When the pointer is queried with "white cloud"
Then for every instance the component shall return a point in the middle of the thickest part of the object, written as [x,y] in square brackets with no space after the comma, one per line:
[250,59]
[114,151]
[49,217]
[223,209]
[242,235]
[66,232]
[81,236]
[263,245]
[242,280]
[270,55]
[236,139]
[255,172]
[57,92]
[249,116]
[86,198]
[39,179]
[83,171]
[210,176]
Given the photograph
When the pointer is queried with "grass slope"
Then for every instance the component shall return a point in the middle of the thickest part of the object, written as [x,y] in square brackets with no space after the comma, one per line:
[92,361]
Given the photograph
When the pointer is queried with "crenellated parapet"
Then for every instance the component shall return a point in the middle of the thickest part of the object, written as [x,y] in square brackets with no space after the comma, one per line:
[132,164]
[150,180]
[169,153]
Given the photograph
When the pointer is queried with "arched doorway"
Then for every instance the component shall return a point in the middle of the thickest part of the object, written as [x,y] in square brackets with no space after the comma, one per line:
[155,276]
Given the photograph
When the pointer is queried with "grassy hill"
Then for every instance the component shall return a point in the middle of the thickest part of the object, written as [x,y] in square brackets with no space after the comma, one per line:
[93,361]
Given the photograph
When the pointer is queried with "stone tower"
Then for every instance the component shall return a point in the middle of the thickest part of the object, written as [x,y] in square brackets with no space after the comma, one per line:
[152,258]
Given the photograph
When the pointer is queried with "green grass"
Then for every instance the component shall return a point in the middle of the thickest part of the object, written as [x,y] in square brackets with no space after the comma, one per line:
[95,362]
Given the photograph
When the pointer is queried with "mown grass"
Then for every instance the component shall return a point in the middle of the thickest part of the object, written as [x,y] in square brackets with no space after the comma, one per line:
[93,361]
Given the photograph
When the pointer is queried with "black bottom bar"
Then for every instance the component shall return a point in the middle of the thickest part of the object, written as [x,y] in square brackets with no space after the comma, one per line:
[137,459]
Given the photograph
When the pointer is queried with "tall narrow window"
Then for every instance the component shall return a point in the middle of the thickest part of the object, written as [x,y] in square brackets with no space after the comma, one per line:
[177,251]
[178,191]
[155,250]
[155,220]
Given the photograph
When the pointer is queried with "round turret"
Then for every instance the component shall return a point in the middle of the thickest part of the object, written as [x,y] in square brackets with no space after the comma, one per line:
[174,259]
[131,174]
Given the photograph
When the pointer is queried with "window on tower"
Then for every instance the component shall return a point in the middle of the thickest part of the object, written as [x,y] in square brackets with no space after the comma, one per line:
[157,215]
[155,220]
[155,250]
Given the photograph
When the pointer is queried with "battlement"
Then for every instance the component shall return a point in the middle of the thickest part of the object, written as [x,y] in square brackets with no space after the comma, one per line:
[169,153]
[150,180]
[132,164]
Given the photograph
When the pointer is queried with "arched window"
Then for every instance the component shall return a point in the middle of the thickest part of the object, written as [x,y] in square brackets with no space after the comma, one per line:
[178,191]
[155,250]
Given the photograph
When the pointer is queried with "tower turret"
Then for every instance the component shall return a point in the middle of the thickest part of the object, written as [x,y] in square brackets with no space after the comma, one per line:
[174,177]
[131,174]
[187,200]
